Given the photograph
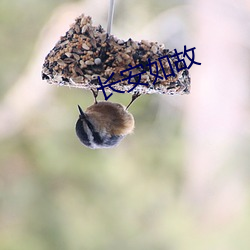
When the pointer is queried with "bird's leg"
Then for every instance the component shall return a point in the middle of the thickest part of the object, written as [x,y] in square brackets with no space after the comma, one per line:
[134,97]
[95,94]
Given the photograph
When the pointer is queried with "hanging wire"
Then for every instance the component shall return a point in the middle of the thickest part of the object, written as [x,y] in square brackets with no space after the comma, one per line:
[110,15]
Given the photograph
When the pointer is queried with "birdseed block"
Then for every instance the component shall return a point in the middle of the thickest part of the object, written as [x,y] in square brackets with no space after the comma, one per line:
[87,57]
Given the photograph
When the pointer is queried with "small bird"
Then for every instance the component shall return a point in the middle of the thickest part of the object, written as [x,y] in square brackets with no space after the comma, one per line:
[104,124]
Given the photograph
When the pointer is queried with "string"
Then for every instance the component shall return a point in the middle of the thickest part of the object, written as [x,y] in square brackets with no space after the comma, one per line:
[110,15]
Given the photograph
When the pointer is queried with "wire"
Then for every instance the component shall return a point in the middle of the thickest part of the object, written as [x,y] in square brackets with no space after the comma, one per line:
[110,15]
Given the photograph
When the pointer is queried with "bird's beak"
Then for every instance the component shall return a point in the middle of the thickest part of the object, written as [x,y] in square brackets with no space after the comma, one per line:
[82,115]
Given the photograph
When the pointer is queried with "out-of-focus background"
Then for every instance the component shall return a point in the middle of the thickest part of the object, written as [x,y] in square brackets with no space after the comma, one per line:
[180,182]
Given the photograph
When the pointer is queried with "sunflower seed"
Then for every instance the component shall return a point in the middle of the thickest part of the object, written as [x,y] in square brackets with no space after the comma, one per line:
[85,46]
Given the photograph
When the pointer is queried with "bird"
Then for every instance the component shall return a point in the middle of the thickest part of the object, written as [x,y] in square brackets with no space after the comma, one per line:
[104,124]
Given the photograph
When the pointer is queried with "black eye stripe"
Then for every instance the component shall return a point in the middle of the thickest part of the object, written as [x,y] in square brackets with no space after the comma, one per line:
[97,138]
[82,135]
[96,135]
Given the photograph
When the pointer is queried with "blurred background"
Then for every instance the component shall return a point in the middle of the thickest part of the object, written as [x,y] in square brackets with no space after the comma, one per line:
[180,182]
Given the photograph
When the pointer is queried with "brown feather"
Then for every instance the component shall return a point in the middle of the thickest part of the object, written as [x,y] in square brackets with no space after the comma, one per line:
[111,117]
